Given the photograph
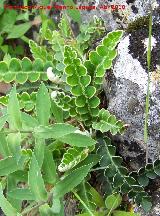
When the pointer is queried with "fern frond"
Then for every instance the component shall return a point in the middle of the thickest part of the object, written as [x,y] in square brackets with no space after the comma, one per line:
[23,70]
[108,122]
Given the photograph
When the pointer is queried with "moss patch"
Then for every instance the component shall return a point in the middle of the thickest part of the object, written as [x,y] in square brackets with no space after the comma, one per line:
[139,31]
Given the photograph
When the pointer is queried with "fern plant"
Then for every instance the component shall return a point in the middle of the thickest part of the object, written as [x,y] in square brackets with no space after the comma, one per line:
[49,139]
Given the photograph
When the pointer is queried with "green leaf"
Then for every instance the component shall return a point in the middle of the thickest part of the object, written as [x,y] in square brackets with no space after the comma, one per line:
[49,167]
[113,201]
[11,185]
[94,57]
[108,122]
[6,207]
[90,91]
[143,180]
[57,112]
[56,206]
[146,204]
[13,110]
[94,102]
[72,11]
[19,30]
[14,65]
[72,80]
[76,90]
[72,157]
[4,149]
[3,67]
[56,131]
[65,133]
[96,197]
[28,121]
[35,180]
[45,210]
[39,150]
[80,101]
[157,167]
[8,165]
[21,194]
[43,105]
[92,158]
[7,20]
[71,181]
[3,120]
[78,140]
[14,145]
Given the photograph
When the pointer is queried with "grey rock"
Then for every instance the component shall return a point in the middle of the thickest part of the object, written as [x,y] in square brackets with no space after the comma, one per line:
[121,18]
[127,99]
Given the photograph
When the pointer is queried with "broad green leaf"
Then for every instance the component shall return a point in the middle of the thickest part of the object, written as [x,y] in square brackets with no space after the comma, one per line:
[21,175]
[56,206]
[35,180]
[78,140]
[21,194]
[7,20]
[11,185]
[28,121]
[13,110]
[3,120]
[113,201]
[92,158]
[49,167]
[56,131]
[19,30]
[45,210]
[6,207]
[72,11]
[96,197]
[65,133]
[14,145]
[146,204]
[71,181]
[43,105]
[4,149]
[39,150]
[8,165]
[57,112]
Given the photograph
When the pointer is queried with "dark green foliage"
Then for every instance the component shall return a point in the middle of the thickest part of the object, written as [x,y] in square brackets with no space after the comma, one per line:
[118,177]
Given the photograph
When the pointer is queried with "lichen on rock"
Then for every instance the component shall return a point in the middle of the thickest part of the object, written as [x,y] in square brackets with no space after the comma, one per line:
[128,91]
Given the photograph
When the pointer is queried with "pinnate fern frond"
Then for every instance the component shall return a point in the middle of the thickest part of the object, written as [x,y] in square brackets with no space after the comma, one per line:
[101,59]
[108,122]
[23,70]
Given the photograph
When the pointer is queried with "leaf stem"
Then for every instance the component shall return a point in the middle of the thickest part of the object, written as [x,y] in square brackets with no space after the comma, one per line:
[148,88]
[81,201]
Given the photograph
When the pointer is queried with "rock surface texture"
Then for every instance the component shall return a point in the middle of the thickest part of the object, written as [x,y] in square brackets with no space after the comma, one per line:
[129,88]
[127,91]
[126,85]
